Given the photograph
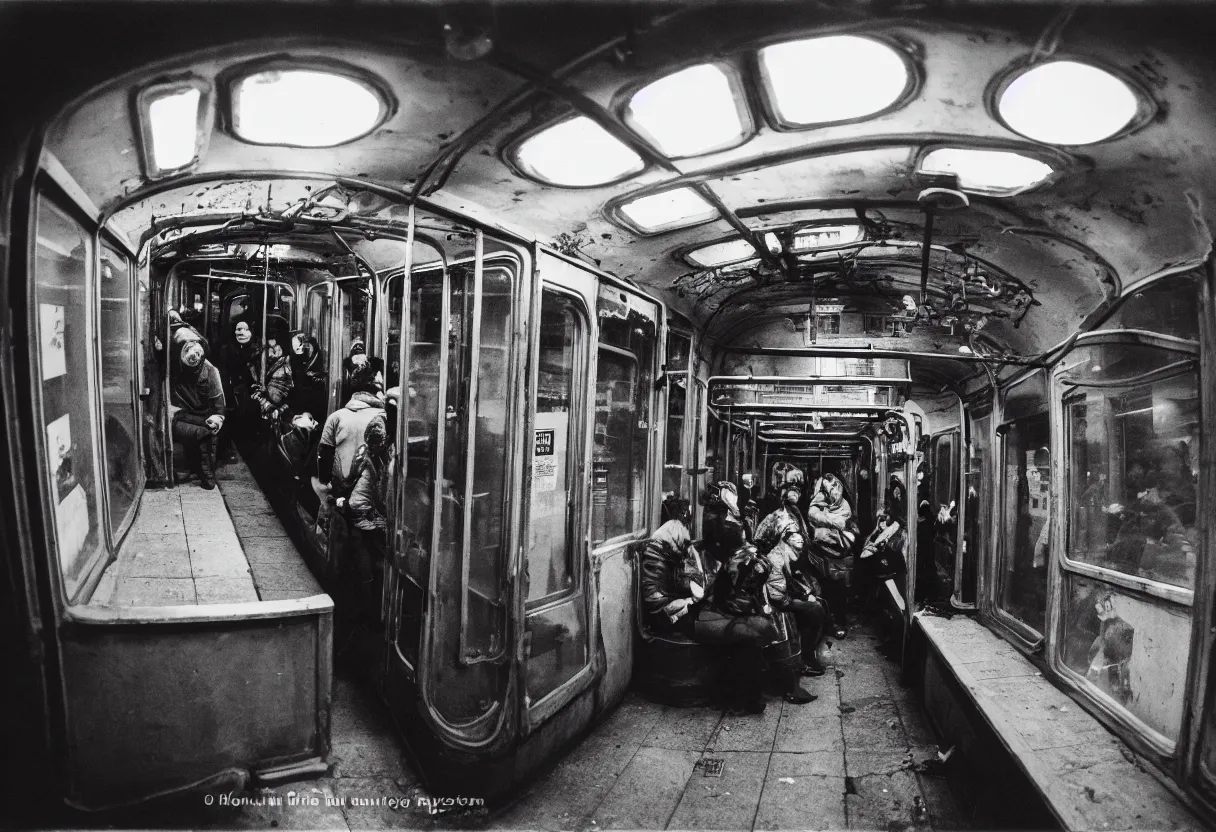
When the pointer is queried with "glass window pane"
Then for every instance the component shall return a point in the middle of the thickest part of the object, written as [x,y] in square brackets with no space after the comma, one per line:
[1133,651]
[550,569]
[357,310]
[1026,514]
[1169,306]
[117,387]
[678,347]
[62,309]
[1133,474]
[977,503]
[624,379]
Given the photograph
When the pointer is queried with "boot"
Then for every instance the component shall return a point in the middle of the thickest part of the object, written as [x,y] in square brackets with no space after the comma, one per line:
[206,463]
[794,691]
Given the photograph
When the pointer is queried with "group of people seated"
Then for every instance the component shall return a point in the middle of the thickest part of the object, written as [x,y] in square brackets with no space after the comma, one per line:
[209,406]
[746,574]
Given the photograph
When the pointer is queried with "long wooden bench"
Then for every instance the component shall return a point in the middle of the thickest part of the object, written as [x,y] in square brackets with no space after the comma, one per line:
[1085,776]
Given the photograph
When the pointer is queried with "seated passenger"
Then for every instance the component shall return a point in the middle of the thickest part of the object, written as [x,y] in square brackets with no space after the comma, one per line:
[790,591]
[270,398]
[197,408]
[725,530]
[833,532]
[673,585]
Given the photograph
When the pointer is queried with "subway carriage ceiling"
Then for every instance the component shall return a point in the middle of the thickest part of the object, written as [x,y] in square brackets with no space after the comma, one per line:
[809,144]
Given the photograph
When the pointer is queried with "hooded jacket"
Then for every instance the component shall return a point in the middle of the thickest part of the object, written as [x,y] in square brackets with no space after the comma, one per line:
[343,435]
[664,577]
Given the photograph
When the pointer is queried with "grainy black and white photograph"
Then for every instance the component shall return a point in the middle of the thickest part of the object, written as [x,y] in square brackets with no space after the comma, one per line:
[580,415]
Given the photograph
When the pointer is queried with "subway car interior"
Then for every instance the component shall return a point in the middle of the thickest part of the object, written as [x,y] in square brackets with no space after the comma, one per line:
[402,342]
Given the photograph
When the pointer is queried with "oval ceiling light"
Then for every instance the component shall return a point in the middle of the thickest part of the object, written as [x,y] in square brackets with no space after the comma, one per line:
[1068,103]
[577,153]
[677,208]
[830,79]
[826,236]
[304,108]
[690,112]
[994,172]
[721,254]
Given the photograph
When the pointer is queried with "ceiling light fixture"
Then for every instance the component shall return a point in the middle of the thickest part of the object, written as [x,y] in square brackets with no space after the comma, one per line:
[1067,103]
[304,108]
[806,85]
[691,112]
[721,254]
[826,236]
[577,153]
[667,210]
[992,172]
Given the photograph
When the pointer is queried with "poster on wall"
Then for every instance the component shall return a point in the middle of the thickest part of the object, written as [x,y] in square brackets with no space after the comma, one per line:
[544,461]
[59,452]
[52,331]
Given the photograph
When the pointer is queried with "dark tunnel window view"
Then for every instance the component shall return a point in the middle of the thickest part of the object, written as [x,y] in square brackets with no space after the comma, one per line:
[638,414]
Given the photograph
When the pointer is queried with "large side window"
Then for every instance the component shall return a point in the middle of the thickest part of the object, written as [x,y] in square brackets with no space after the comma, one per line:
[623,387]
[61,312]
[1026,504]
[977,504]
[1132,437]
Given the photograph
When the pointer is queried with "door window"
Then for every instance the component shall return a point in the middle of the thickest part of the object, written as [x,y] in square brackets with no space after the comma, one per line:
[118,386]
[62,309]
[678,347]
[1026,509]
[557,643]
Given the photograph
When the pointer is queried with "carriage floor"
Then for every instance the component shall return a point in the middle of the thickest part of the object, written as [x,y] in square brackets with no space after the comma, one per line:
[861,757]
[192,546]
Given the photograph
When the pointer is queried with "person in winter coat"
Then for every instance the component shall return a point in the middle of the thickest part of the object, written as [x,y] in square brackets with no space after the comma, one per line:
[242,367]
[786,515]
[368,508]
[355,357]
[674,586]
[270,397]
[833,533]
[790,591]
[196,406]
[343,434]
[725,530]
[308,390]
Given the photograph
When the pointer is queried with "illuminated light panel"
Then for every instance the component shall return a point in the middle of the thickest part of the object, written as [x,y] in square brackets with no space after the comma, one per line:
[577,153]
[986,171]
[1069,103]
[173,123]
[676,208]
[719,254]
[303,108]
[829,79]
[688,113]
[823,236]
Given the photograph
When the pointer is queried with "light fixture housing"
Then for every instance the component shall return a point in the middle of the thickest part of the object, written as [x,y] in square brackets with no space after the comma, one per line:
[175,120]
[815,237]
[985,171]
[866,77]
[721,254]
[574,153]
[665,211]
[305,106]
[697,110]
[1066,102]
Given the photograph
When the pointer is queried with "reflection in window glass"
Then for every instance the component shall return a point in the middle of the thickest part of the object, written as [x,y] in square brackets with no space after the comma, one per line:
[1026,512]
[62,312]
[944,528]
[117,389]
[1132,650]
[1169,306]
[624,378]
[678,347]
[550,570]
[1134,468]
[977,503]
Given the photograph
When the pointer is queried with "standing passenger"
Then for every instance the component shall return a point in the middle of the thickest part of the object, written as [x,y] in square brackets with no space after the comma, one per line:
[242,366]
[369,512]
[343,434]
[834,532]
[271,397]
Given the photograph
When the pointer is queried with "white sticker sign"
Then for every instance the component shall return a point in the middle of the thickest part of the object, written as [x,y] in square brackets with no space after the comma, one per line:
[52,334]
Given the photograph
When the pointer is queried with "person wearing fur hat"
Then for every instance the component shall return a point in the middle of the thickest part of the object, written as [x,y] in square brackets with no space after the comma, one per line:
[196,406]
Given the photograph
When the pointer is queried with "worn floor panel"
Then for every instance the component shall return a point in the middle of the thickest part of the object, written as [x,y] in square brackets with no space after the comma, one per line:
[189,545]
[860,757]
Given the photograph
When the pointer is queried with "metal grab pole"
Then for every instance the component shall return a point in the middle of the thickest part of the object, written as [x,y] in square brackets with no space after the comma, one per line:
[265,293]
